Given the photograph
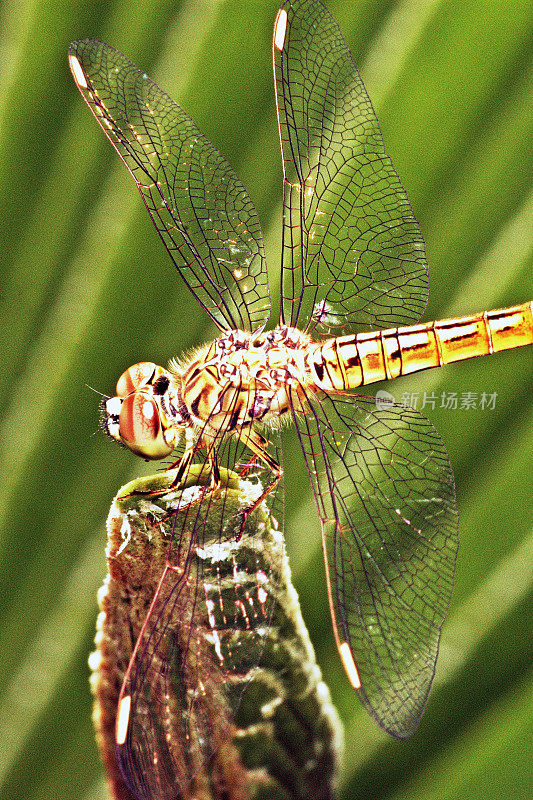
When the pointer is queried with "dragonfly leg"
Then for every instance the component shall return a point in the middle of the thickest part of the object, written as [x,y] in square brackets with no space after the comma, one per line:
[259,447]
[246,466]
[181,466]
[214,471]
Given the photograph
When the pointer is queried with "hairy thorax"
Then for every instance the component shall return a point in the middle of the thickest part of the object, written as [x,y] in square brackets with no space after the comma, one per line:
[243,377]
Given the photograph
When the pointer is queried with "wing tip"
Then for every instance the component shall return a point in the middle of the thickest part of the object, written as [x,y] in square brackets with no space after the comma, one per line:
[76,67]
[123,719]
[280,29]
[349,665]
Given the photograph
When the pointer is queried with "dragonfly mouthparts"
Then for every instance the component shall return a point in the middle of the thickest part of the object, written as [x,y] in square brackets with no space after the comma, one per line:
[109,417]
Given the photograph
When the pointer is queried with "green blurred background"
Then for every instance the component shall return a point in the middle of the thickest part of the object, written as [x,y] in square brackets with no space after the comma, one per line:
[87,289]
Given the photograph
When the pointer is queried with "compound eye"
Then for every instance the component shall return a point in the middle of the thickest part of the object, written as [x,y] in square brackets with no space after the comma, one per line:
[135,377]
[140,427]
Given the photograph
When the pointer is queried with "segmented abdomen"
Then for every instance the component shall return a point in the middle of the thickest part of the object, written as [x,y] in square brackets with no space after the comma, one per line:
[351,361]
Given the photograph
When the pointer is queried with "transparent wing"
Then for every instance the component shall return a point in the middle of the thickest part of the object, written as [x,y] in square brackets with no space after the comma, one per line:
[353,253]
[204,633]
[385,496]
[199,207]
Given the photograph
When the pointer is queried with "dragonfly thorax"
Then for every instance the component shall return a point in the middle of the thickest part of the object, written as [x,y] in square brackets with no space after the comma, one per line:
[243,377]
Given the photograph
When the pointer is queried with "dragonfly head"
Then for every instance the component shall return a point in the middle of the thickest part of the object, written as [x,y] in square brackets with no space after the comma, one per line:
[135,417]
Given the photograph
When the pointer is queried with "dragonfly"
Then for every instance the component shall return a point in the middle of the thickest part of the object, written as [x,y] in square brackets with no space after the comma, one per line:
[353,288]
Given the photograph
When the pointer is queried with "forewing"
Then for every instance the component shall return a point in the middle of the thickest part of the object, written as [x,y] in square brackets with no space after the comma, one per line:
[199,207]
[353,253]
[385,495]
[204,634]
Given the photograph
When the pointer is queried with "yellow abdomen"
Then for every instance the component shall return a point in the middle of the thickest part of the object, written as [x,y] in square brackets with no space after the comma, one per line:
[351,361]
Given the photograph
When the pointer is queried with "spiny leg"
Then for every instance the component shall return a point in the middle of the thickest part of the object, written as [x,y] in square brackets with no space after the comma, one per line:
[182,466]
[214,481]
[246,466]
[259,447]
